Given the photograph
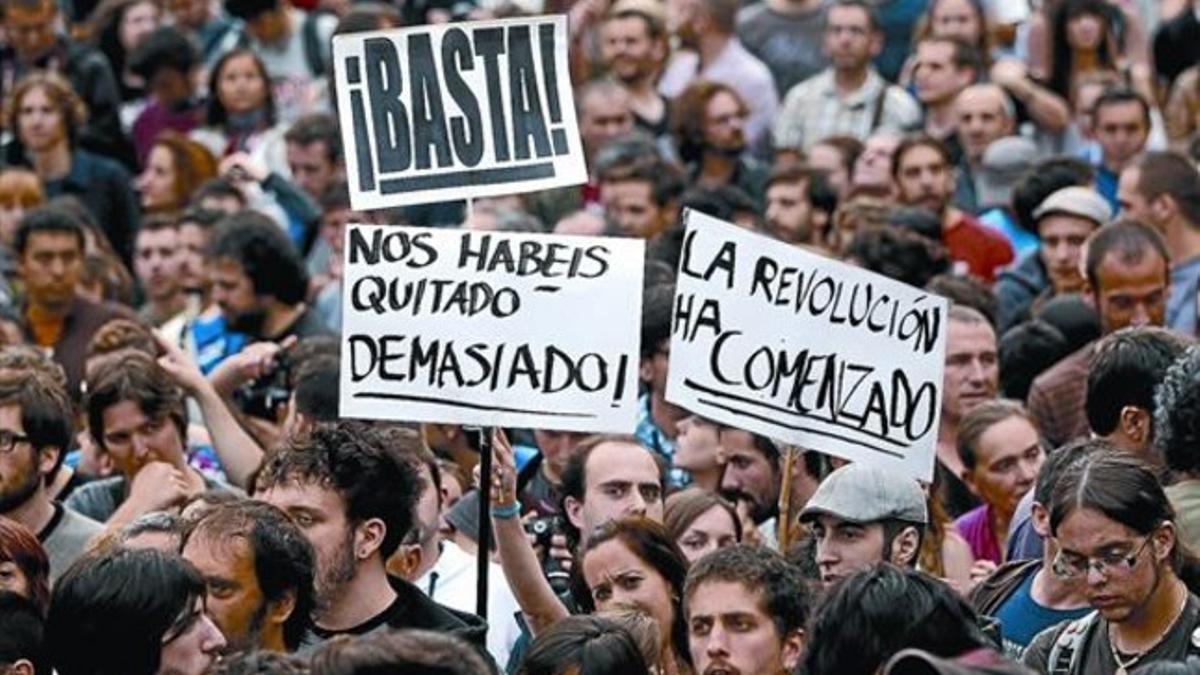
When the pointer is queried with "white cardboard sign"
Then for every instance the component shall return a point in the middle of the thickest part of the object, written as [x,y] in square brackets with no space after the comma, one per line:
[807,350]
[490,328]
[476,109]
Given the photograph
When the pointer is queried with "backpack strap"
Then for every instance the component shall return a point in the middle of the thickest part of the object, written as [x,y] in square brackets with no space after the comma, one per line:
[1065,654]
[880,102]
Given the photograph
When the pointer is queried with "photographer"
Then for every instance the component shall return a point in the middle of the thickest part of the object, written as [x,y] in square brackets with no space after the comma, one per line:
[259,280]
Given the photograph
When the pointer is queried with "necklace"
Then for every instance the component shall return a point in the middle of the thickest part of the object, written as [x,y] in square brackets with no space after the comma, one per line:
[1123,665]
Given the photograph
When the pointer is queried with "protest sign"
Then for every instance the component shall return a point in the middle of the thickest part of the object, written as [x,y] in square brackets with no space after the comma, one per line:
[491,328]
[434,113]
[806,350]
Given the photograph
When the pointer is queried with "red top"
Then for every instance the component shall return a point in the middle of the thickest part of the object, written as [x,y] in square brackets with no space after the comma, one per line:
[984,250]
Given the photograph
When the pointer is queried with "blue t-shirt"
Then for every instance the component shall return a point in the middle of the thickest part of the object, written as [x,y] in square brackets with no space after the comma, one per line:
[1023,241]
[1106,185]
[1022,618]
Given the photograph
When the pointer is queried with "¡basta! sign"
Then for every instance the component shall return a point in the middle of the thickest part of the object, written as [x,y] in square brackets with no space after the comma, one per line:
[436,113]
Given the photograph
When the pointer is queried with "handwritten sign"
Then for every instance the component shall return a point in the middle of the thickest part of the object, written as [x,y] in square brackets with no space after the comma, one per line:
[807,350]
[436,113]
[491,328]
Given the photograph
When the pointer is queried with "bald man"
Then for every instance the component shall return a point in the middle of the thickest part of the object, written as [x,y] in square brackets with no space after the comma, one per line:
[984,113]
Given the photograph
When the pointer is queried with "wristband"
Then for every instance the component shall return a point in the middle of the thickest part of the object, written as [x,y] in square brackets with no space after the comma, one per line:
[507,512]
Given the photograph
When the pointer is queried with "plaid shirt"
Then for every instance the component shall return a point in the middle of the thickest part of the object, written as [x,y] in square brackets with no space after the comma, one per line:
[813,111]
[1057,397]
[654,439]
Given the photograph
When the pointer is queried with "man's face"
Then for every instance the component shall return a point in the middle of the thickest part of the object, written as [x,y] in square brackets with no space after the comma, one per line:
[938,80]
[428,513]
[190,14]
[725,124]
[622,481]
[789,211]
[193,268]
[981,120]
[655,369]
[697,444]
[1121,131]
[628,50]
[1007,458]
[40,123]
[133,440]
[311,167]
[845,547]
[50,267]
[1062,238]
[972,373]
[31,31]
[925,179]
[1131,292]
[321,514]
[827,158]
[602,119]
[630,205]
[557,447]
[1129,196]
[169,86]
[873,168]
[749,476]
[848,39]
[233,292]
[235,601]
[681,21]
[156,261]
[1121,590]
[20,473]
[194,650]
[729,631]
[270,26]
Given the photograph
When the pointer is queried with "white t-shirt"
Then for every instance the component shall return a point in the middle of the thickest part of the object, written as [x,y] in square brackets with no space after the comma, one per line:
[451,582]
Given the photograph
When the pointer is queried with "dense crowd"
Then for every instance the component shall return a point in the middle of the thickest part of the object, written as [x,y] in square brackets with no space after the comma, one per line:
[179,495]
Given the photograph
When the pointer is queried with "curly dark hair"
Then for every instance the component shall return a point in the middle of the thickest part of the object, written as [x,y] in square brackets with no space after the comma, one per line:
[899,254]
[265,254]
[1177,418]
[352,459]
[785,595]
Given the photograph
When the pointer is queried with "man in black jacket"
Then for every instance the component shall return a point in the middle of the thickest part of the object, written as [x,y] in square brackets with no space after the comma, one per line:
[353,496]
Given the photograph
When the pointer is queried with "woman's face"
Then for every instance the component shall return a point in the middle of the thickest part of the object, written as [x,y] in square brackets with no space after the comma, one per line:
[13,579]
[156,184]
[697,445]
[137,21]
[711,530]
[1085,32]
[616,577]
[240,87]
[956,19]
[11,210]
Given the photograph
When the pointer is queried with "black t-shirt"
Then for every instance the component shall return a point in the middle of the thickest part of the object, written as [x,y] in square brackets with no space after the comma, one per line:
[1096,655]
[308,324]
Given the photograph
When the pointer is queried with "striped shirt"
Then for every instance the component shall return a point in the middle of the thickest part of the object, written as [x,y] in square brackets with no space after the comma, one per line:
[813,111]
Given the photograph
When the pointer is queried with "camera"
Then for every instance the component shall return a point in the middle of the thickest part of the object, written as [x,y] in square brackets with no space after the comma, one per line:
[262,397]
[543,530]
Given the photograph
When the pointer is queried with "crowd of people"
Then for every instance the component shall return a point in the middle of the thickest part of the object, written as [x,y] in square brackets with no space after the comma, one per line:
[179,495]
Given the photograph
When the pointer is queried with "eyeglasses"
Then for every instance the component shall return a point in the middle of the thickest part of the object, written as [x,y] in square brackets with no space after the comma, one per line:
[1070,565]
[9,440]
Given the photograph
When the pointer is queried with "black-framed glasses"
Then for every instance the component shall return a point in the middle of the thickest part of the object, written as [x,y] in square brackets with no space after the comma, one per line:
[1071,565]
[9,440]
